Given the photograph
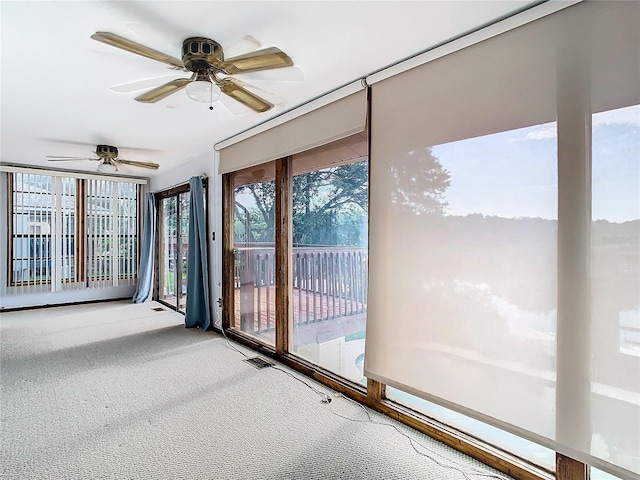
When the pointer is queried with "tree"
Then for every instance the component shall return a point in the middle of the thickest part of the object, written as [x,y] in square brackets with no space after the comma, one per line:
[420,183]
[256,224]
[330,205]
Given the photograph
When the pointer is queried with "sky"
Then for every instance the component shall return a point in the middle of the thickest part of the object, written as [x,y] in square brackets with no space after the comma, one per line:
[514,173]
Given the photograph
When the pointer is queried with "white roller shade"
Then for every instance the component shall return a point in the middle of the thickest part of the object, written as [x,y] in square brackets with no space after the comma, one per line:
[325,124]
[479,290]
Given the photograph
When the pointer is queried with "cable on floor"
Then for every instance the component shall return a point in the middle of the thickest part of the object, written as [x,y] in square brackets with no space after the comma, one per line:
[464,471]
[327,399]
[229,345]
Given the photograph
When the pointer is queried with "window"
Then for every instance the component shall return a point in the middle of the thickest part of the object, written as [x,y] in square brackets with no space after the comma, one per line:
[485,220]
[31,213]
[516,303]
[254,252]
[615,285]
[329,264]
[49,245]
[526,449]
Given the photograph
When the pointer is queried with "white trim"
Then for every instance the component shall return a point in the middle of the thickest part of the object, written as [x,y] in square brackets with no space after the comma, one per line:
[68,174]
[292,114]
[534,13]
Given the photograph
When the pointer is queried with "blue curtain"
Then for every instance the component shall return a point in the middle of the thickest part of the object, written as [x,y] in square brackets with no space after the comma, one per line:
[197,307]
[145,271]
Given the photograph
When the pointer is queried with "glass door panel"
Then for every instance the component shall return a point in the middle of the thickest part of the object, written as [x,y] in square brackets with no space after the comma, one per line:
[183,235]
[615,288]
[329,264]
[167,250]
[254,252]
[173,232]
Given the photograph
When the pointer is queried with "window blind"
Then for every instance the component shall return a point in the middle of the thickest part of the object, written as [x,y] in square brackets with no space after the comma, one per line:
[481,297]
[70,234]
[32,228]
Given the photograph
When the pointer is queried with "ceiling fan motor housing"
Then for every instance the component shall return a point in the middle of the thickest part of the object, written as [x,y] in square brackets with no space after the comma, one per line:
[201,53]
[106,151]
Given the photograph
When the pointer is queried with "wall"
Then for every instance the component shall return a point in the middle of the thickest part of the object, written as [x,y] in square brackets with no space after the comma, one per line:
[205,164]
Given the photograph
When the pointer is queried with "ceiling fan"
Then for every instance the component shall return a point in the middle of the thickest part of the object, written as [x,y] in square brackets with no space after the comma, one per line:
[109,160]
[211,72]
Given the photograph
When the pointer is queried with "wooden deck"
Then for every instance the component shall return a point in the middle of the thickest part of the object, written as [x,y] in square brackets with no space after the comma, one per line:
[308,307]
[315,315]
[171,300]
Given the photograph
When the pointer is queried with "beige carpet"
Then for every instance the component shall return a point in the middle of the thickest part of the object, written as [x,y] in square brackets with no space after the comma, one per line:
[120,391]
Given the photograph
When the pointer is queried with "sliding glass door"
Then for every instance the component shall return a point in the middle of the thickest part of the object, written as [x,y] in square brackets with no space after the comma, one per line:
[325,307]
[173,235]
[183,243]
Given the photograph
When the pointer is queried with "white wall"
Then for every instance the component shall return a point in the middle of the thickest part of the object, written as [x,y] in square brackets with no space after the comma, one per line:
[205,164]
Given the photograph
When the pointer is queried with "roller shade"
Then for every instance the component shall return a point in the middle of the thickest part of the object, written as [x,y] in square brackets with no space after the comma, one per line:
[325,124]
[485,293]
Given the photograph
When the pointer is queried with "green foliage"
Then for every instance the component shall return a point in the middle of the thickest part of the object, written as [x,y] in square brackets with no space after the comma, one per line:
[330,206]
[420,182]
[257,223]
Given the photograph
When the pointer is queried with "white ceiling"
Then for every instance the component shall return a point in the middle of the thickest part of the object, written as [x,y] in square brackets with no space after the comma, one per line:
[56,81]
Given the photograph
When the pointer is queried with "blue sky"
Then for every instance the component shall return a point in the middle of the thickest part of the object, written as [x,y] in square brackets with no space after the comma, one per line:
[514,173]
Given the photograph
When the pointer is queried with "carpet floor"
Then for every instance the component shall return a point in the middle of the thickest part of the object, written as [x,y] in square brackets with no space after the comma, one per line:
[121,391]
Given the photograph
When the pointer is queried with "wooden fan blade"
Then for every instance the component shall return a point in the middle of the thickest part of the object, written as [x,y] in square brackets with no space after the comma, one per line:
[232,88]
[287,74]
[264,59]
[133,47]
[163,91]
[54,158]
[266,95]
[152,165]
[240,47]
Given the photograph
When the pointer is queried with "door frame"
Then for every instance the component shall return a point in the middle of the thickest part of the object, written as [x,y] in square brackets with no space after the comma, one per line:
[175,191]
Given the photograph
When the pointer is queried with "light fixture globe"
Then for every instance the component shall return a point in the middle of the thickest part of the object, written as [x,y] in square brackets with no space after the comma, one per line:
[107,167]
[203,91]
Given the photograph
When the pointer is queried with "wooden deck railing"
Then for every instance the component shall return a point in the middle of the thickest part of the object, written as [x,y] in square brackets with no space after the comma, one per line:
[328,282]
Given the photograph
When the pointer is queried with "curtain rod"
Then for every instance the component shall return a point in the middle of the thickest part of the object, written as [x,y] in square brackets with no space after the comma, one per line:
[203,177]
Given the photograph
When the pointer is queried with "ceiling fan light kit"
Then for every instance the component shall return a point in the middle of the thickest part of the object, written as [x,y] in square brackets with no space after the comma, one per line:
[203,91]
[211,72]
[107,168]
